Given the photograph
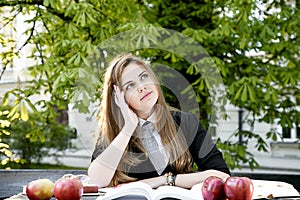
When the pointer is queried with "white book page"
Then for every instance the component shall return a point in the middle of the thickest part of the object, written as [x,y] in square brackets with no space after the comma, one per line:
[264,189]
[179,193]
[128,191]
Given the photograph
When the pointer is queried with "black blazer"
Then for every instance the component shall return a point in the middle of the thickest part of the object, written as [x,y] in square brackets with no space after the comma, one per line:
[202,148]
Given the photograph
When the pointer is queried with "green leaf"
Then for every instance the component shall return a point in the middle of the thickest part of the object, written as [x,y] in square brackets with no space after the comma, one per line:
[190,69]
[238,94]
[90,17]
[46,3]
[82,19]
[244,96]
[291,65]
[146,41]
[42,138]
[13,111]
[70,30]
[5,99]
[201,84]
[228,159]
[267,95]
[243,42]
[33,108]
[241,151]
[252,95]
[24,113]
[274,97]
[274,137]
[77,59]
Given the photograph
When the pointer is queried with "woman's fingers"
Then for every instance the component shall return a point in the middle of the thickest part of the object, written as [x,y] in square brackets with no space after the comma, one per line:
[120,99]
[117,95]
[128,114]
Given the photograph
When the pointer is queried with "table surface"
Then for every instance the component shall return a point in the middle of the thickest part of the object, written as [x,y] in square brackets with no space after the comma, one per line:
[12,181]
[23,197]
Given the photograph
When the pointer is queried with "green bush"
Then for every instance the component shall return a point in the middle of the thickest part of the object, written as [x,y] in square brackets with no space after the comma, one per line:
[32,140]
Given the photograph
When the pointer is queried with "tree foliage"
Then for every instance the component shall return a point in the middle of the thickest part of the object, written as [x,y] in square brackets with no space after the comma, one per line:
[32,140]
[253,44]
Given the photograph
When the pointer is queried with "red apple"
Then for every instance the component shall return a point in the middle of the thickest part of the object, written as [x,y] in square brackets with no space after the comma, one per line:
[40,189]
[213,188]
[68,188]
[238,188]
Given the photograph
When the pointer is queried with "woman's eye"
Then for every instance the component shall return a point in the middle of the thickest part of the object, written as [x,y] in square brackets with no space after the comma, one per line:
[129,86]
[144,76]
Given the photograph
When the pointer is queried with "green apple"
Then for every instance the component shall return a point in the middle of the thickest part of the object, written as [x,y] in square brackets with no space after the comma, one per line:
[40,189]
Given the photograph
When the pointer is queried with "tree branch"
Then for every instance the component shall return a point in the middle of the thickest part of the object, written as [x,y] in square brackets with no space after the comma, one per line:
[29,37]
[3,70]
[34,2]
[22,2]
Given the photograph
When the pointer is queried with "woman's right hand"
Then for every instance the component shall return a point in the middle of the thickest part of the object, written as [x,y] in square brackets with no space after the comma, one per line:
[130,118]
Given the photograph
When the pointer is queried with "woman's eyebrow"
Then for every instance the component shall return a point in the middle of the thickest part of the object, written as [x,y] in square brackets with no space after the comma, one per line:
[132,81]
[126,83]
[142,73]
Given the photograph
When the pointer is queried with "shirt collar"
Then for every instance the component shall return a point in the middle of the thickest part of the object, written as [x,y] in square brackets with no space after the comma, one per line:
[151,118]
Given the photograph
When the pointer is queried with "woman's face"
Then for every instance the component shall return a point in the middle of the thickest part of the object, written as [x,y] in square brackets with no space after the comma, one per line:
[140,89]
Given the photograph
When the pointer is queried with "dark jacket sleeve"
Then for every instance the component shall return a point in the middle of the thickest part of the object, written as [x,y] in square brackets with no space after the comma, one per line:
[201,146]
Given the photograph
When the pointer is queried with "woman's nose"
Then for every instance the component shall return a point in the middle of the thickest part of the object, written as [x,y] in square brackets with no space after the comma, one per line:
[141,88]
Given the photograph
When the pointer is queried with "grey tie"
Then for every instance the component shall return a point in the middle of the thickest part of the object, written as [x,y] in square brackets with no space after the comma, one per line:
[151,145]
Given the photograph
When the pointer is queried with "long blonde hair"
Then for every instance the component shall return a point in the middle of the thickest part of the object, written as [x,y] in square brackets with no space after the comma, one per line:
[111,122]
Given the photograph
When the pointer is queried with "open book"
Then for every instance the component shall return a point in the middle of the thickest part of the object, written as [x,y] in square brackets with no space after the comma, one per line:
[140,190]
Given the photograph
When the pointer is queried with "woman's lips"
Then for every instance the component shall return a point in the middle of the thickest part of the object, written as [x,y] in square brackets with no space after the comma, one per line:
[146,95]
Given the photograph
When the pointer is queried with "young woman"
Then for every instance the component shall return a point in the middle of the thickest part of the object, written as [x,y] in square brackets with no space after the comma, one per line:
[131,96]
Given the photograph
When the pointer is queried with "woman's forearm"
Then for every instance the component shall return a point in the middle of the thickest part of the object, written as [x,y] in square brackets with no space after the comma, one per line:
[102,169]
[155,182]
[189,180]
[185,180]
